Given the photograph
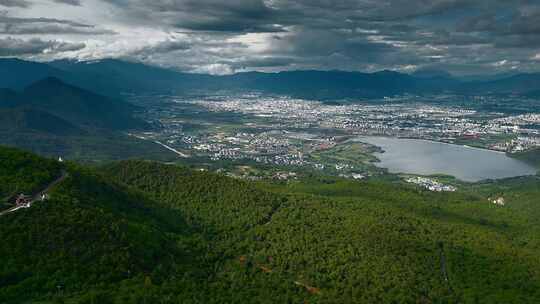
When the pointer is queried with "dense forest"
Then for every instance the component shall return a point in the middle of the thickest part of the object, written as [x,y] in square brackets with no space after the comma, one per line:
[144,232]
[23,172]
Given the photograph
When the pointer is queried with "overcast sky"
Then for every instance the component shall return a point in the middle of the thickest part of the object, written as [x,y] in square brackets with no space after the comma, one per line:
[225,36]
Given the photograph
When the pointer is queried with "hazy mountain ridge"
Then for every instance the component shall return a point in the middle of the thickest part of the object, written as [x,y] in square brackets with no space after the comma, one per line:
[24,120]
[521,84]
[17,74]
[133,77]
[113,77]
[79,106]
[53,118]
[307,83]
[50,100]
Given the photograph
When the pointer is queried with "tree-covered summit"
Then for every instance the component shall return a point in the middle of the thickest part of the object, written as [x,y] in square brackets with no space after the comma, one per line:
[144,232]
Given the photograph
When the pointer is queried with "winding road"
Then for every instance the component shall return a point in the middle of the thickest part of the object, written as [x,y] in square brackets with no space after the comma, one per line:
[37,196]
[181,154]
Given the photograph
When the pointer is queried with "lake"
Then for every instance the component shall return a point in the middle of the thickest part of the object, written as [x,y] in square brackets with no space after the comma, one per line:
[425,157]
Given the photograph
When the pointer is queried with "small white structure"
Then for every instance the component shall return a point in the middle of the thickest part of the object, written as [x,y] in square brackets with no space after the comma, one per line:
[358,176]
[498,201]
[60,159]
[430,184]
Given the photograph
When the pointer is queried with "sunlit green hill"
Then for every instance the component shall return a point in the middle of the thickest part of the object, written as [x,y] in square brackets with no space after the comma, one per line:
[93,241]
[363,241]
[144,232]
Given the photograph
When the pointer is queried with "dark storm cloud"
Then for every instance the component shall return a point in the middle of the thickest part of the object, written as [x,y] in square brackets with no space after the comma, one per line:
[69,2]
[50,26]
[514,28]
[15,3]
[392,10]
[169,46]
[19,20]
[325,43]
[17,47]
[440,37]
[162,47]
[313,29]
[263,62]
[49,29]
[505,23]
[207,15]
[326,34]
[518,41]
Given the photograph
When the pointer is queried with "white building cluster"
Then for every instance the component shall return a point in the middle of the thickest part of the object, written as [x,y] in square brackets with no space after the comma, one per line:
[431,184]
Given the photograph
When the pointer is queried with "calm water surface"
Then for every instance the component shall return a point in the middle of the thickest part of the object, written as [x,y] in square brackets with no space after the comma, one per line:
[426,157]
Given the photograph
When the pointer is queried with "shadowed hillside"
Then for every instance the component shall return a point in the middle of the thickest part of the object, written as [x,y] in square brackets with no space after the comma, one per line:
[52,118]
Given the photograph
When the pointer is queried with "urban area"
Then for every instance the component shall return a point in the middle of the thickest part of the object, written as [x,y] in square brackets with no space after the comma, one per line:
[296,135]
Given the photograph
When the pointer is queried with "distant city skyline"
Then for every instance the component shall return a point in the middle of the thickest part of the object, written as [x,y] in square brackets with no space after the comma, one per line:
[463,37]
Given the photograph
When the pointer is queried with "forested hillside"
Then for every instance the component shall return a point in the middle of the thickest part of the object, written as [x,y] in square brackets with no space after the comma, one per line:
[24,172]
[361,242]
[93,241]
[78,106]
[143,232]
[25,120]
[52,118]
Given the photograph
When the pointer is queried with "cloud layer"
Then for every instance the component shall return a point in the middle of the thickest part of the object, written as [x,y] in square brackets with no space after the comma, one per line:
[216,36]
[19,47]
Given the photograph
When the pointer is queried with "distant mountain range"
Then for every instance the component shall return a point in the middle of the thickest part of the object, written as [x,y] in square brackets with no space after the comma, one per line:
[17,74]
[77,106]
[53,118]
[114,77]
[74,108]
[521,84]
[534,94]
[27,120]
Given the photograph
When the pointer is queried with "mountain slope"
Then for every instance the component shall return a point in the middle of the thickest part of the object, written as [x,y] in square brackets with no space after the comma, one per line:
[24,172]
[90,238]
[145,232]
[88,147]
[533,94]
[23,120]
[377,243]
[324,84]
[113,77]
[79,106]
[8,98]
[56,119]
[18,74]
[516,84]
